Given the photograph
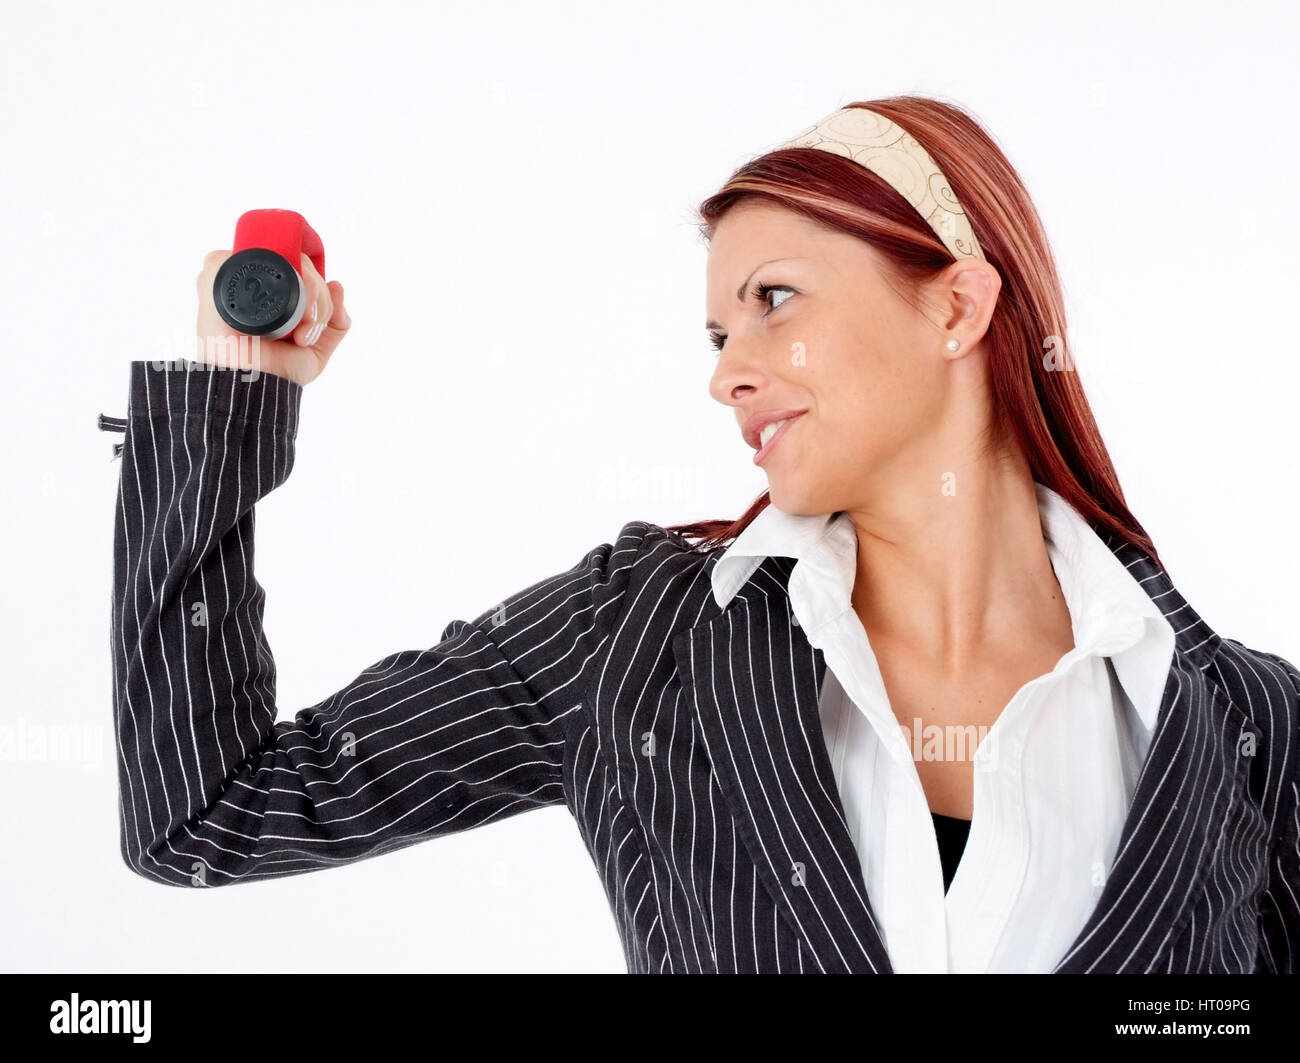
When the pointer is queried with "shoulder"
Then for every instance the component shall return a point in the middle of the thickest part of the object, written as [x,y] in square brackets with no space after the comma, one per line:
[1266,686]
[669,572]
[661,543]
[637,554]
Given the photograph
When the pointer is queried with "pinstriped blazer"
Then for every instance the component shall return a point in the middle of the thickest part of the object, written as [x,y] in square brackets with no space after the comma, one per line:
[684,738]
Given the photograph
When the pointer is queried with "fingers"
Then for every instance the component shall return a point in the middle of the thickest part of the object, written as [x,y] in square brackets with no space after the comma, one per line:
[320,305]
[332,329]
[328,333]
[340,320]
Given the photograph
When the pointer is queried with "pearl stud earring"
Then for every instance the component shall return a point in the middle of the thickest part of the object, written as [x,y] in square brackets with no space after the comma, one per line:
[953,345]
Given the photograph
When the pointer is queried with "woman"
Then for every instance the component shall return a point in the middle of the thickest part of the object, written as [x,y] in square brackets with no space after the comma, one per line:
[937,706]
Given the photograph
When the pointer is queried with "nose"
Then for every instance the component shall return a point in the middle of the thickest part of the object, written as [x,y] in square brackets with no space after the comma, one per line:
[736,375]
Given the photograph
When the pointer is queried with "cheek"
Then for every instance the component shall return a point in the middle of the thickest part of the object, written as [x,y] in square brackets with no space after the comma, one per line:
[873,402]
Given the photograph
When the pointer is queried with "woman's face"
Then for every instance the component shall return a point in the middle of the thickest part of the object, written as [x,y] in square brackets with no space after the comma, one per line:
[833,338]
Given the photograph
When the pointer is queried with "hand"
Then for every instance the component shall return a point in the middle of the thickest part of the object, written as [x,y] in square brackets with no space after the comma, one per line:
[300,356]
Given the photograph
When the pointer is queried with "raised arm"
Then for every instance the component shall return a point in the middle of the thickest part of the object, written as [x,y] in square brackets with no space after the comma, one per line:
[213,789]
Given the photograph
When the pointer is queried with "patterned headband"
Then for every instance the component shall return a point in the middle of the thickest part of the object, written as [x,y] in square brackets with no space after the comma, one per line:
[894,155]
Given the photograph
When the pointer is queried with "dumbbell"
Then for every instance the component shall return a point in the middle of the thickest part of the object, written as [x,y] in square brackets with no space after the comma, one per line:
[258,290]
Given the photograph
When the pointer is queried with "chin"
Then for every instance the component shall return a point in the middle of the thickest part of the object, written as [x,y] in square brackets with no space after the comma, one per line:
[796,503]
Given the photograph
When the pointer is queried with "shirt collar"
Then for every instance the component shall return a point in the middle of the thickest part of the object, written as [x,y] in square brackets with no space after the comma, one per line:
[1111,615]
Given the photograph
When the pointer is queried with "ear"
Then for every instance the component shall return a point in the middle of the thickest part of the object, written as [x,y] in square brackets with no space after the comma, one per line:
[968,292]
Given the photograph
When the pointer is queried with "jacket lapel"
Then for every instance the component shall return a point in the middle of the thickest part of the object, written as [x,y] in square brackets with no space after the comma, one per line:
[753,681]
[1194,776]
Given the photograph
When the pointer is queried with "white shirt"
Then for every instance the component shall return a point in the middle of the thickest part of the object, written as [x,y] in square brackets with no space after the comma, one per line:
[1054,775]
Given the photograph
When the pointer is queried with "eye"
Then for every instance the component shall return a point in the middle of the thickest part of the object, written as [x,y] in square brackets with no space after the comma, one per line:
[759,292]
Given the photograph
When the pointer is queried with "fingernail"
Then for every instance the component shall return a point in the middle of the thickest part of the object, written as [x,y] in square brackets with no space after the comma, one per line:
[317,329]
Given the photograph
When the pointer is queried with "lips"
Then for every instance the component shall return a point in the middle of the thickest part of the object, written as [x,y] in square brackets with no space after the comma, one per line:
[761,455]
[755,423]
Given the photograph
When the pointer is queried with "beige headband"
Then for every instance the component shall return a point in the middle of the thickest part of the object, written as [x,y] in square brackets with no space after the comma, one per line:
[894,155]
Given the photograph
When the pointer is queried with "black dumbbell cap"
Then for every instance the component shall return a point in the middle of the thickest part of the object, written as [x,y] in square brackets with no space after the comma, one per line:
[257,292]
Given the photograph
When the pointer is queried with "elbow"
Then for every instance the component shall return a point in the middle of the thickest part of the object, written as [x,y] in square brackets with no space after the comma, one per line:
[146,864]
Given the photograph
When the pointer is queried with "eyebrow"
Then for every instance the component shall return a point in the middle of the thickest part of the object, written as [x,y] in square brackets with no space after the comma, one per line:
[740,292]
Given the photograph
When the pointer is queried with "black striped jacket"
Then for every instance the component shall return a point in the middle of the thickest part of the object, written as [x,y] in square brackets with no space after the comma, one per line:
[685,739]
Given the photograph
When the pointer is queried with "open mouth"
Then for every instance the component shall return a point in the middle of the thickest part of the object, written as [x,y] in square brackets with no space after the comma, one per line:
[761,454]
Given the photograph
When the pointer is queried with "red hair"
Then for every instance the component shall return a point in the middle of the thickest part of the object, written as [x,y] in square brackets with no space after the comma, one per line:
[1044,411]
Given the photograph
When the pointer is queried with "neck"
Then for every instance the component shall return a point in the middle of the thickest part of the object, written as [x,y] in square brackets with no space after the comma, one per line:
[951,566]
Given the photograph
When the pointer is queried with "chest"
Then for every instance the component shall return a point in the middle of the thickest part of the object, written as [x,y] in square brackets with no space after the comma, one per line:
[945,714]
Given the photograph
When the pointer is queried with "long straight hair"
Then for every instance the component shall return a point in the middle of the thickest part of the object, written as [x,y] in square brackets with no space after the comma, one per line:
[1038,400]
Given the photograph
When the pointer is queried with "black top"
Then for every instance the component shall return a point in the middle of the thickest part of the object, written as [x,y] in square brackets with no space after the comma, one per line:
[952,833]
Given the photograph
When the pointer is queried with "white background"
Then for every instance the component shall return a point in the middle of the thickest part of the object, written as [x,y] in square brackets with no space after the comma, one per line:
[507,193]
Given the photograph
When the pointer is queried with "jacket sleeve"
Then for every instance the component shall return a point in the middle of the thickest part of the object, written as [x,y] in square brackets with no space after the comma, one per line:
[213,789]
[1279,949]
